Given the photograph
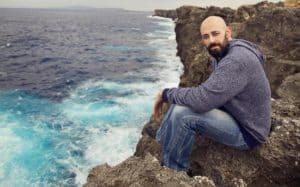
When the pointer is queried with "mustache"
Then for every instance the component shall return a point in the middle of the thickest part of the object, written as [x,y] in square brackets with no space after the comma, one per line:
[213,45]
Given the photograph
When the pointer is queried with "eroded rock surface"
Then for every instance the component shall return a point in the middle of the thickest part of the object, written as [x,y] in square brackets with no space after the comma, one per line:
[165,13]
[140,172]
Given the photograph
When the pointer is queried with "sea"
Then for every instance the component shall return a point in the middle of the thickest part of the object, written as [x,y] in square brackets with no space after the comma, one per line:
[76,88]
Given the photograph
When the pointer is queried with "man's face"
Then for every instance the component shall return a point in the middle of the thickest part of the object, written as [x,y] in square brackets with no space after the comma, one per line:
[215,36]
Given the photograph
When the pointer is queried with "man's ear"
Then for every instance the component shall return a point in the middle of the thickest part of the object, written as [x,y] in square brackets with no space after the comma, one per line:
[228,33]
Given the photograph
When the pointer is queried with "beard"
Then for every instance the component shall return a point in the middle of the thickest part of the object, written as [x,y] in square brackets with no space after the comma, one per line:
[219,52]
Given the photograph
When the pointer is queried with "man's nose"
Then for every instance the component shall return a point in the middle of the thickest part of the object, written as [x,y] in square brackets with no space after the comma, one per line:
[211,39]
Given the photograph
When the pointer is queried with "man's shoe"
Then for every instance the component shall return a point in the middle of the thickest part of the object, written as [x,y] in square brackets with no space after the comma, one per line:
[190,173]
[161,163]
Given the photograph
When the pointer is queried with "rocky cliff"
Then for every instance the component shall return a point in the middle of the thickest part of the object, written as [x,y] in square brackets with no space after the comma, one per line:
[276,30]
[165,13]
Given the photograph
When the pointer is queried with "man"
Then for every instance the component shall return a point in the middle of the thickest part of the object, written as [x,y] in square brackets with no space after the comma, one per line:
[232,107]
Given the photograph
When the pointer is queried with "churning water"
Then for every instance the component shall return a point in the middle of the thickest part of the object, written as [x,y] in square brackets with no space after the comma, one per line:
[76,88]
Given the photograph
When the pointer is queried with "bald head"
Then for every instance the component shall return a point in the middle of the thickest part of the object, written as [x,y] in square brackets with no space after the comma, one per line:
[213,22]
[215,35]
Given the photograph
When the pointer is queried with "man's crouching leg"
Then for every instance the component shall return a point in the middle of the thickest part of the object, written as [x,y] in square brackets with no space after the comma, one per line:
[176,138]
[179,126]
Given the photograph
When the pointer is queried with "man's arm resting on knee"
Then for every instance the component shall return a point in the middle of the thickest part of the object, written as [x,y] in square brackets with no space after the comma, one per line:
[227,81]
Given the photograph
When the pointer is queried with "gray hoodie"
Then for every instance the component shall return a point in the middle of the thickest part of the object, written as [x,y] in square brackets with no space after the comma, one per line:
[238,84]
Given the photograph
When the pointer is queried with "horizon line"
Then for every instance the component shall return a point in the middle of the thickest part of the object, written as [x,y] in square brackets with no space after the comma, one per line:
[74,7]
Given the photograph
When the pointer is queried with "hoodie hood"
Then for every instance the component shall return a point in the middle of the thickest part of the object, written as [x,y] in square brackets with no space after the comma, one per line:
[248,45]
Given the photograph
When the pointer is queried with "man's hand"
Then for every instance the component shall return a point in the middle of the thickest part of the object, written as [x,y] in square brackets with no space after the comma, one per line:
[158,105]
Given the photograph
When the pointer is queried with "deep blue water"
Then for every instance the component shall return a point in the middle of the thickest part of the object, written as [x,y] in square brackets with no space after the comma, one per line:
[76,88]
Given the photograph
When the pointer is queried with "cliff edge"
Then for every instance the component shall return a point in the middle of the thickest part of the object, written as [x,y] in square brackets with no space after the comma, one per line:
[165,13]
[276,30]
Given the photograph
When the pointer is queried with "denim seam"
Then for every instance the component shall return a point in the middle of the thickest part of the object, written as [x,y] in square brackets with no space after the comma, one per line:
[192,131]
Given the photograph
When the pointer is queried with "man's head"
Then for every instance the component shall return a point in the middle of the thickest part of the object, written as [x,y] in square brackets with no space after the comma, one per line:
[215,35]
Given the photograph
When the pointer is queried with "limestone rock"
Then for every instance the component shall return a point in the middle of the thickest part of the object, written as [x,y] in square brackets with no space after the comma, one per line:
[140,172]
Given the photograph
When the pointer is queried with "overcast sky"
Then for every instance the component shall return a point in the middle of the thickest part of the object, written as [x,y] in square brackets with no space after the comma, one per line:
[126,4]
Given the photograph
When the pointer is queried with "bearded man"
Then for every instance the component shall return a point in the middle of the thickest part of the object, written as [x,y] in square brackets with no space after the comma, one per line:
[232,107]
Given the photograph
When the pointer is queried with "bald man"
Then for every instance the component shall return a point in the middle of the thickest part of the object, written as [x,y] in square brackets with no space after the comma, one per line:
[232,107]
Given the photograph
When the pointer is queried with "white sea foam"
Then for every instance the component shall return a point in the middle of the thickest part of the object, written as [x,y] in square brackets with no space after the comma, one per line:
[166,24]
[158,18]
[169,66]
[8,140]
[172,37]
[136,29]
[10,146]
[111,131]
[113,146]
[118,141]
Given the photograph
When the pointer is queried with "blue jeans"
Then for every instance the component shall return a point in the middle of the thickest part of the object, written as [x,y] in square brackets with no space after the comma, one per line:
[180,125]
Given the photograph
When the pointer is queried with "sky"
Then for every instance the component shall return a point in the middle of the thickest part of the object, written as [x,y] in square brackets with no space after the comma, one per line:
[125,4]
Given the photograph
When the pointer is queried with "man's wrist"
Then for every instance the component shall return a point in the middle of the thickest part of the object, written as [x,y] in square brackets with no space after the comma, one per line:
[165,95]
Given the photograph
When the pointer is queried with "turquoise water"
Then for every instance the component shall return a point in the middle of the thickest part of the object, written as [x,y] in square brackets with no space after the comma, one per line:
[45,142]
[48,142]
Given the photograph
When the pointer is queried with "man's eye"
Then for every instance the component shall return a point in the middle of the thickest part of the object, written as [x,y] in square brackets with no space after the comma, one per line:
[215,33]
[204,37]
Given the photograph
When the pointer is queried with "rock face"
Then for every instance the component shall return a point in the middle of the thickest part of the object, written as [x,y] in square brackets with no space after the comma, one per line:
[165,13]
[140,172]
[276,30]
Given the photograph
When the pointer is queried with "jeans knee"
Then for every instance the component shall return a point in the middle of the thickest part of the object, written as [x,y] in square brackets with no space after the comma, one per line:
[177,112]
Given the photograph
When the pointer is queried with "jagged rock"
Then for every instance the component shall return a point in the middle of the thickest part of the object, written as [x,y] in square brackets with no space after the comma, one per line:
[249,11]
[290,88]
[140,172]
[275,163]
[165,13]
[276,30]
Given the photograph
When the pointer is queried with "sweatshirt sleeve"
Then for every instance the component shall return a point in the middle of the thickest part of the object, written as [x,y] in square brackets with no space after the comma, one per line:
[228,79]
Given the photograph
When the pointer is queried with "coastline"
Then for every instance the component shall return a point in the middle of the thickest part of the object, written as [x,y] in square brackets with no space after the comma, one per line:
[274,163]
